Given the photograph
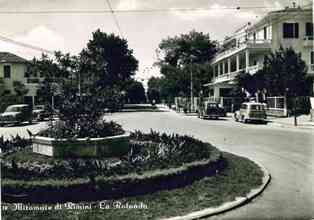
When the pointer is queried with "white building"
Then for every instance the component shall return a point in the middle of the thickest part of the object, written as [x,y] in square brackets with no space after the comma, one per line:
[245,50]
[14,69]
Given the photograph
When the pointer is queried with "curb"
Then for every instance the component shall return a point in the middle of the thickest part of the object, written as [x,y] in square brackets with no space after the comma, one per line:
[282,125]
[228,205]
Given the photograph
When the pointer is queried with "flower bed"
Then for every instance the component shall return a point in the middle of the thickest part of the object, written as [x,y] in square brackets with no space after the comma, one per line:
[154,162]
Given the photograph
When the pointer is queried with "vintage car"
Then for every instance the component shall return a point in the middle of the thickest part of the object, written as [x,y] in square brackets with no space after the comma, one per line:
[16,114]
[212,110]
[41,112]
[251,111]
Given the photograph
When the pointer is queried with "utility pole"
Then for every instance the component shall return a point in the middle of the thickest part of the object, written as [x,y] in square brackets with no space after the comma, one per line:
[192,97]
[295,110]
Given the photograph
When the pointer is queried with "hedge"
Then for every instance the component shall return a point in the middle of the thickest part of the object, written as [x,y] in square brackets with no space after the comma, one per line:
[101,188]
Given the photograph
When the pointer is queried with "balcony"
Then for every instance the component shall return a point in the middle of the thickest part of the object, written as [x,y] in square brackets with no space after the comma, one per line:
[253,69]
[252,44]
[230,76]
[32,80]
[308,41]
[225,77]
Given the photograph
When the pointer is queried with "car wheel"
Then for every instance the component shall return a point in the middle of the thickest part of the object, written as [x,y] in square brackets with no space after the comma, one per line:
[243,120]
[235,117]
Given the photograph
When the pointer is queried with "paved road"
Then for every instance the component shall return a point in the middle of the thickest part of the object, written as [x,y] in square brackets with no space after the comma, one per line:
[286,153]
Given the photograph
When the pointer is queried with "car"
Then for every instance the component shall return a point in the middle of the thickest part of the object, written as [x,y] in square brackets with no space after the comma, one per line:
[16,114]
[41,112]
[212,110]
[251,111]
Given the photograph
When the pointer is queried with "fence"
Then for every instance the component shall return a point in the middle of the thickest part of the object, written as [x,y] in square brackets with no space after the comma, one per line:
[277,106]
[282,106]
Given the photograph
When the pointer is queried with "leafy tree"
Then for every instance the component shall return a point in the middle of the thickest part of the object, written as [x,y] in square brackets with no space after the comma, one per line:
[20,89]
[135,92]
[2,86]
[154,88]
[50,71]
[284,72]
[107,60]
[181,55]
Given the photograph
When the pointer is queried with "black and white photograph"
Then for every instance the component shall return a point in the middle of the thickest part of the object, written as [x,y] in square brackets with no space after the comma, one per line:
[156,110]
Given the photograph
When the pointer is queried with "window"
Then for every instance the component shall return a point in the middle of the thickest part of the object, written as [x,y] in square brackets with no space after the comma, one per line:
[309,29]
[265,33]
[290,30]
[7,71]
[243,106]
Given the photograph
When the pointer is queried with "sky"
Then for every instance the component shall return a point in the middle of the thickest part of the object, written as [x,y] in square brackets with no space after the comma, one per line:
[70,32]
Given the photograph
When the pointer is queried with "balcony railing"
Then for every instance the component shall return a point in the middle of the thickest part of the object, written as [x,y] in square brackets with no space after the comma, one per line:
[32,80]
[254,69]
[308,41]
[232,75]
[248,43]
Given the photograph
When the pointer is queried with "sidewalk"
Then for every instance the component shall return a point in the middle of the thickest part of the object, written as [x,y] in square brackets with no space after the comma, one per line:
[303,121]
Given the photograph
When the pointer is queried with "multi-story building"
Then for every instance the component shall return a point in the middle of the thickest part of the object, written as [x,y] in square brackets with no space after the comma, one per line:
[246,49]
[14,69]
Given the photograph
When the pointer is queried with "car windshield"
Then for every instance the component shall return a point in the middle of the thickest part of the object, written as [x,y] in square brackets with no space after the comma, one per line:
[212,105]
[13,109]
[257,107]
[39,107]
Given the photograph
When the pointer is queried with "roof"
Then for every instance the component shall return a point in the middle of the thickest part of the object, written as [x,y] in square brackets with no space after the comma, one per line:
[18,105]
[6,57]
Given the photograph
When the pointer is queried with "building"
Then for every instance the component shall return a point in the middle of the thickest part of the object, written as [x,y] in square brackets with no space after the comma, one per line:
[14,69]
[245,50]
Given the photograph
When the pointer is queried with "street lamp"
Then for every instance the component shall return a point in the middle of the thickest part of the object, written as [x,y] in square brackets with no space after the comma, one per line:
[191,83]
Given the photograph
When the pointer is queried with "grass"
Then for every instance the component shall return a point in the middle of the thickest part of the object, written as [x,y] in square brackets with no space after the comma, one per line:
[238,179]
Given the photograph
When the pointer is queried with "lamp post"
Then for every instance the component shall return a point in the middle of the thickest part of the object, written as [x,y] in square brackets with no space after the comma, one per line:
[192,95]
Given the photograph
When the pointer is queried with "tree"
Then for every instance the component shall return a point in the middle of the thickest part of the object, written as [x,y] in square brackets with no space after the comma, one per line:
[54,72]
[181,55]
[108,60]
[135,92]
[20,89]
[283,71]
[2,86]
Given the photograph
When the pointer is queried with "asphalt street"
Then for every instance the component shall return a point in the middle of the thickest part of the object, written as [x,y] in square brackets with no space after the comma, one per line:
[287,153]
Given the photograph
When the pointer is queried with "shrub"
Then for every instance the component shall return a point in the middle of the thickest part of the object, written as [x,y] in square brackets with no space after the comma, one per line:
[147,152]
[14,144]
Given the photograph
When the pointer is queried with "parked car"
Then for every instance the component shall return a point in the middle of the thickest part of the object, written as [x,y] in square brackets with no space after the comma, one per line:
[212,110]
[41,112]
[251,111]
[16,114]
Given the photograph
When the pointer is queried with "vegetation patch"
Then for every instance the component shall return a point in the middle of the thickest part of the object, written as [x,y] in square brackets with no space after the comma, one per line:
[154,162]
[237,179]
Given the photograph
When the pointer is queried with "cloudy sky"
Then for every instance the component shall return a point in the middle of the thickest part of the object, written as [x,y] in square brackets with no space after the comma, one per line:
[69,32]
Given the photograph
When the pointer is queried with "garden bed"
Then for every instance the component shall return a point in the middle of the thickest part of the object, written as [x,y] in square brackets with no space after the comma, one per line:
[154,162]
[236,180]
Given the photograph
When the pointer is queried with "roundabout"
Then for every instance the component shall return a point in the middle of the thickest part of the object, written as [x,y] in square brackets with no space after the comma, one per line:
[194,180]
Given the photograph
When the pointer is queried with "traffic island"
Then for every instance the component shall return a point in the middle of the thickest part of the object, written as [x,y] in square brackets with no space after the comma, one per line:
[231,185]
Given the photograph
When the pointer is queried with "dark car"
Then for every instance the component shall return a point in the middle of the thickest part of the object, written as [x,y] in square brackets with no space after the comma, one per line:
[42,112]
[16,114]
[212,110]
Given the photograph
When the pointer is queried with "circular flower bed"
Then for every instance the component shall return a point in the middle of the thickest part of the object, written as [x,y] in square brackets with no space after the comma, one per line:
[154,162]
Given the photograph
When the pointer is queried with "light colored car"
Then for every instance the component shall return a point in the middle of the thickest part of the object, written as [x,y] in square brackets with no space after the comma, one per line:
[16,114]
[251,111]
